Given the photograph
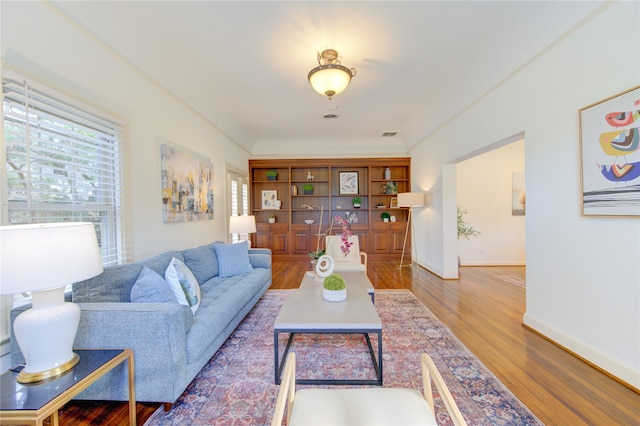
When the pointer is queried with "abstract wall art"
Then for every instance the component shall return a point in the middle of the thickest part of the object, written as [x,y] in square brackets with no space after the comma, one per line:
[187,186]
[610,147]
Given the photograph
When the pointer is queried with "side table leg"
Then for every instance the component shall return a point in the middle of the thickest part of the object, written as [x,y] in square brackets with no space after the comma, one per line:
[132,391]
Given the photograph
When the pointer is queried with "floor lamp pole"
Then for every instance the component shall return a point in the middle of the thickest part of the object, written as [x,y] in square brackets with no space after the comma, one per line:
[404,245]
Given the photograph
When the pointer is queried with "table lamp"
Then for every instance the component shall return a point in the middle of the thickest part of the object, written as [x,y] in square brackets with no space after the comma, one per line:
[242,225]
[411,200]
[43,259]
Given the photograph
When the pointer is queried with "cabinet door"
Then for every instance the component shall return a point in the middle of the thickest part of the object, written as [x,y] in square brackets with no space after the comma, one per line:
[263,240]
[300,239]
[379,240]
[279,241]
[397,239]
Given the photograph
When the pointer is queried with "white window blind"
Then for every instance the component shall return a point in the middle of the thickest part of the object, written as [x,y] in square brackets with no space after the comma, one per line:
[62,163]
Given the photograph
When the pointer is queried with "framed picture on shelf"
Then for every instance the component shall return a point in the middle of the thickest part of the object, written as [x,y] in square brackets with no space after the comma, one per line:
[269,199]
[348,182]
[394,203]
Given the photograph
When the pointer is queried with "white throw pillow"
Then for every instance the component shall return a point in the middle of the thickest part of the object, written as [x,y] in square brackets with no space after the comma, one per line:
[183,283]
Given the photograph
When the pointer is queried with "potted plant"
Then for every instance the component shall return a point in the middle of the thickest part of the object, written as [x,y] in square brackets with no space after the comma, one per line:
[357,201]
[272,174]
[272,218]
[385,216]
[380,205]
[334,288]
[307,188]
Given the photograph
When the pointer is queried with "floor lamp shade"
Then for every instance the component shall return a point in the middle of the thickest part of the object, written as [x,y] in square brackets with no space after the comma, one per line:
[242,225]
[43,259]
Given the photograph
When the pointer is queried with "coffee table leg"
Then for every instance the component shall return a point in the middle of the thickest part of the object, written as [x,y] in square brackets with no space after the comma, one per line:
[279,366]
[376,365]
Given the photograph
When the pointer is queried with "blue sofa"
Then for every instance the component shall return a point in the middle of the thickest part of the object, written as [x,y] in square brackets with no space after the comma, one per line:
[170,343]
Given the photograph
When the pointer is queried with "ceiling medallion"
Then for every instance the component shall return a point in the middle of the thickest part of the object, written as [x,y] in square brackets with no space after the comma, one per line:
[330,78]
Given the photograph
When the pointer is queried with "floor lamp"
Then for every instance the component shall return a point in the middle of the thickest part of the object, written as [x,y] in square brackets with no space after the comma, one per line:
[411,200]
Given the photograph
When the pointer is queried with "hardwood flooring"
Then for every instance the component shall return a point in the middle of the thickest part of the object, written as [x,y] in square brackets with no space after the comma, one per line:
[485,313]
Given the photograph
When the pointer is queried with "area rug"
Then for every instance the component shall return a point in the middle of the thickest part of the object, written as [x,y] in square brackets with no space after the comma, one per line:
[518,280]
[237,386]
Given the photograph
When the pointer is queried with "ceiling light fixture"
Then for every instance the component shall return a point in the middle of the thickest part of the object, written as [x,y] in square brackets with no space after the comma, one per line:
[330,77]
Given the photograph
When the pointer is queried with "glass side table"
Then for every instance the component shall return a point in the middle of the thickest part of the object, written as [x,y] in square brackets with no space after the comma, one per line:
[33,403]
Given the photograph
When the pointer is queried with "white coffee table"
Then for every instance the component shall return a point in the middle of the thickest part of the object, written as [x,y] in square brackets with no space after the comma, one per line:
[305,311]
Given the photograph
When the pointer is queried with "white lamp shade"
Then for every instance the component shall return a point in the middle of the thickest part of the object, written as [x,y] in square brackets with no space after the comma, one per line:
[242,224]
[330,80]
[410,199]
[42,256]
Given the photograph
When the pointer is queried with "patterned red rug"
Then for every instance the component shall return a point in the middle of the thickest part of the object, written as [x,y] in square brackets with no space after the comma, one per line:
[237,386]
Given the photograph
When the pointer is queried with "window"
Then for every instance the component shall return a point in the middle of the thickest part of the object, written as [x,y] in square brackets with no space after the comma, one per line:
[62,163]
[238,188]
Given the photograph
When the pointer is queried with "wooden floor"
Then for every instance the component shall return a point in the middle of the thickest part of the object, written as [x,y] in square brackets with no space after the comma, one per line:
[485,313]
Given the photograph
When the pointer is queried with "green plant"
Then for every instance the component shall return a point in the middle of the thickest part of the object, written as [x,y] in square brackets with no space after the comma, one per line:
[464,229]
[385,215]
[307,187]
[272,173]
[315,255]
[334,282]
[356,200]
[272,216]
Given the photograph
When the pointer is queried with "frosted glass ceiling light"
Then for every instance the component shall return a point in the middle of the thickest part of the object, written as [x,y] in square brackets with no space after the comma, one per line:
[330,78]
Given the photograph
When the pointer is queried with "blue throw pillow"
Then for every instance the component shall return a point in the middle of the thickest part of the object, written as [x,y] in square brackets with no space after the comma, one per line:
[233,259]
[184,285]
[150,287]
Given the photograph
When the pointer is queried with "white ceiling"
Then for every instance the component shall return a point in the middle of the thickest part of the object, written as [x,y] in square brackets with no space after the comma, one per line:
[243,65]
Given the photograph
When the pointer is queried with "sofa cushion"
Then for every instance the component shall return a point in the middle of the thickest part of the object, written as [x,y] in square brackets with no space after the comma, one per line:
[202,261]
[112,285]
[184,284]
[151,287]
[233,259]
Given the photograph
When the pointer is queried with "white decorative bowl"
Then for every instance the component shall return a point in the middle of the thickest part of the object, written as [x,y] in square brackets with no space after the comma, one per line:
[309,221]
[334,295]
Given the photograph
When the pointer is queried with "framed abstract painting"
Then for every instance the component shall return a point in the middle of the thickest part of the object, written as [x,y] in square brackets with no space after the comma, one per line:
[610,148]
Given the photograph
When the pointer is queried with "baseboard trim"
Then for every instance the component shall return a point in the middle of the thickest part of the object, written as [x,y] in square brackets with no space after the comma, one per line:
[623,374]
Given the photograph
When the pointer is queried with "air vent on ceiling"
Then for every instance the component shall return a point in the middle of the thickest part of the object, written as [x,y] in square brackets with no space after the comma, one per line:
[389,134]
[330,116]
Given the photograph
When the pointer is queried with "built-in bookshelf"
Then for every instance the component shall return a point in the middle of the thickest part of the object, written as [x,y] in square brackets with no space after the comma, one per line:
[277,189]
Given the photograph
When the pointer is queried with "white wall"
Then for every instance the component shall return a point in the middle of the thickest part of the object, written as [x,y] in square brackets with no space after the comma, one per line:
[484,186]
[583,280]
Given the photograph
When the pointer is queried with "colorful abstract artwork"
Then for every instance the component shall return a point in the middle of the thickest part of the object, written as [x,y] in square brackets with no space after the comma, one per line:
[187,186]
[610,139]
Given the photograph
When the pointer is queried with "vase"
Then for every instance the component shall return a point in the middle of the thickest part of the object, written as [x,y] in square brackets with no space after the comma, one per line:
[308,192]
[356,206]
[387,174]
[334,295]
[272,220]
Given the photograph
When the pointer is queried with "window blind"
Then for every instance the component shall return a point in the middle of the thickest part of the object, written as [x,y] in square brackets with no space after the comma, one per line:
[63,162]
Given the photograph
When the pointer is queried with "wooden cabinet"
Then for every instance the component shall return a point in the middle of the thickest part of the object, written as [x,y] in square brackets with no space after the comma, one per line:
[335,182]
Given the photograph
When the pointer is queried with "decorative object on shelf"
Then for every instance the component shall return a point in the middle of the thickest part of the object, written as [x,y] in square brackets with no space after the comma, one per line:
[380,206]
[392,219]
[294,190]
[278,204]
[393,204]
[310,177]
[385,216]
[324,266]
[309,221]
[357,201]
[330,77]
[308,189]
[348,182]
[609,136]
[392,188]
[44,258]
[308,207]
[187,186]
[243,225]
[272,219]
[269,198]
[387,173]
[352,217]
[272,175]
[334,288]
[411,200]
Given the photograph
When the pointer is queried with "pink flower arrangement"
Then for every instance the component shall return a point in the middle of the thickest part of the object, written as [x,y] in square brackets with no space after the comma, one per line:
[346,233]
